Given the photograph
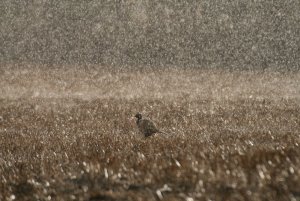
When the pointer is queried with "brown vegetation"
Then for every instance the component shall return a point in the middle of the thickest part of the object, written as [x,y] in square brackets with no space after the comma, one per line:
[67,135]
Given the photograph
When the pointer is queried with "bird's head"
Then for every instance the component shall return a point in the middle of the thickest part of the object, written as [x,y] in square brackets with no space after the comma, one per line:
[138,116]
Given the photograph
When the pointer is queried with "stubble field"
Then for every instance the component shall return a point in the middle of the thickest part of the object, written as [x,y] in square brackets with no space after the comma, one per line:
[67,134]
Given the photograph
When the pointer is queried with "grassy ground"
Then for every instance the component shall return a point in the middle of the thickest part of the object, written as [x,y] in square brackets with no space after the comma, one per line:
[67,135]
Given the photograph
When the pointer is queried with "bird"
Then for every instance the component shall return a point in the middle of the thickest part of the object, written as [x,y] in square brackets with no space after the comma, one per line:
[146,126]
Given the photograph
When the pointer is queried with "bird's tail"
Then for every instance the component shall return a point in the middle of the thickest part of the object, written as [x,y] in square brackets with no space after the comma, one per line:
[164,133]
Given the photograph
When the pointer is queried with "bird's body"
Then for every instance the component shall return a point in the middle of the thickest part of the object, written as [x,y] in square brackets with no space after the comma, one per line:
[146,126]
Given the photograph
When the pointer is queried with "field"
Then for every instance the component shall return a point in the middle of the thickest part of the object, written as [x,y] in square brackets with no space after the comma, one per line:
[68,134]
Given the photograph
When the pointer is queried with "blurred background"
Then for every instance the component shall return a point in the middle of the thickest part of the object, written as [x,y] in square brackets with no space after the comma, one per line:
[237,34]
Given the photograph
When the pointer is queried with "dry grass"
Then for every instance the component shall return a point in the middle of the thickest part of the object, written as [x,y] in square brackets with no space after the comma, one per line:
[66,135]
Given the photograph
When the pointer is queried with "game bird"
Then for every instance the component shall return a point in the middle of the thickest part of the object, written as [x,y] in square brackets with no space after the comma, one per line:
[146,126]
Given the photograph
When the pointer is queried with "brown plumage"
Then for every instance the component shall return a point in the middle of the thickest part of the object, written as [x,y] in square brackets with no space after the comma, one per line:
[146,126]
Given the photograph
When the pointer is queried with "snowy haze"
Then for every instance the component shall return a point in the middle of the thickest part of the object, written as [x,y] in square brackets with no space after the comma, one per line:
[235,34]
